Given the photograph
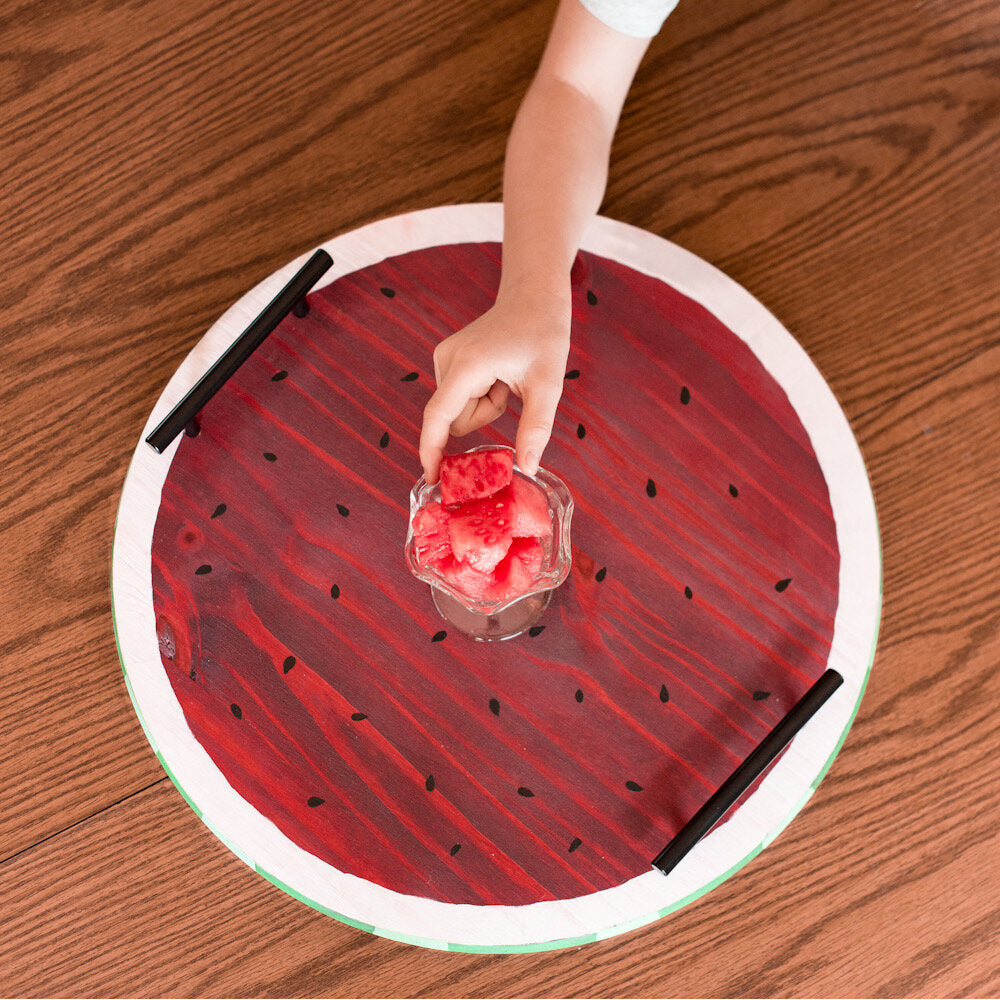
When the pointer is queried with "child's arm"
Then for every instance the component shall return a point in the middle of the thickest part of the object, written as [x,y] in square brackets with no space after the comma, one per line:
[554,177]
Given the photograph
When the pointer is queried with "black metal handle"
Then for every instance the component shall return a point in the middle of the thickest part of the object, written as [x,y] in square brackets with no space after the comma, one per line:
[748,772]
[216,377]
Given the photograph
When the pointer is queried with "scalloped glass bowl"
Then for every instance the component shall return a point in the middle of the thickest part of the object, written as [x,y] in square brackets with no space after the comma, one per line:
[486,620]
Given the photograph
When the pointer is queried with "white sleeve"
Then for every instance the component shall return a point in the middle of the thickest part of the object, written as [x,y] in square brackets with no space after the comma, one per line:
[639,18]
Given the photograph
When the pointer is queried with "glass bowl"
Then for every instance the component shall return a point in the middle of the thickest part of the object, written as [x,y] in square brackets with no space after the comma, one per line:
[485,620]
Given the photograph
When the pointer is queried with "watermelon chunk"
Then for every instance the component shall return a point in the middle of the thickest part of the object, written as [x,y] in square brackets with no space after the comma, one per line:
[474,475]
[516,572]
[531,509]
[431,538]
[465,579]
[481,531]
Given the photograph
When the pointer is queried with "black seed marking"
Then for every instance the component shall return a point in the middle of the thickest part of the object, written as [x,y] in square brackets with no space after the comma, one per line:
[495,707]
[288,664]
[536,630]
[236,710]
[193,675]
[314,801]
[685,395]
[455,848]
[279,376]
[733,491]
[342,510]
[581,431]
[761,695]
[601,574]
[572,373]
[574,844]
[664,694]
[650,488]
[270,456]
[633,786]
[438,636]
[782,585]
[591,297]
[688,593]
[429,783]
[410,377]
[389,293]
[358,716]
[383,441]
[578,695]
[202,570]
[526,793]
[335,592]
[219,511]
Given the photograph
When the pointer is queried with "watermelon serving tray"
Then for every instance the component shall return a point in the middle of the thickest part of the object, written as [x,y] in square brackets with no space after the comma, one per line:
[301,690]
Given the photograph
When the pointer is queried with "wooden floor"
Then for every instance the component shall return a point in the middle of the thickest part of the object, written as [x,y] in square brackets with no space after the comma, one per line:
[838,160]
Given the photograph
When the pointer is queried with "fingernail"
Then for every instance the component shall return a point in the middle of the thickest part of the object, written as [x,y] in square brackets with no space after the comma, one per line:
[531,463]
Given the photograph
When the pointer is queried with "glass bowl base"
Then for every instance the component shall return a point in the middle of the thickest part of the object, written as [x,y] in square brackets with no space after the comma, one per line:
[508,622]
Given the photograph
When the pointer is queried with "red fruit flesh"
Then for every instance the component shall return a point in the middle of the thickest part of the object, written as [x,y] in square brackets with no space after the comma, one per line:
[481,532]
[516,572]
[530,552]
[465,579]
[431,538]
[474,475]
[531,510]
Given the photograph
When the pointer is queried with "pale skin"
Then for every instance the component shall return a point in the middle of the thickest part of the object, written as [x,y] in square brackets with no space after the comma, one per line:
[555,172]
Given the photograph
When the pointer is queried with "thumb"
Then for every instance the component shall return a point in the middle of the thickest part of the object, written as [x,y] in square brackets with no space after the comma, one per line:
[540,401]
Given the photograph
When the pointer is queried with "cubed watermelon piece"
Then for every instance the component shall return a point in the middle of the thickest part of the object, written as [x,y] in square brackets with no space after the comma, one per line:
[431,538]
[516,572]
[481,531]
[474,475]
[468,581]
[531,509]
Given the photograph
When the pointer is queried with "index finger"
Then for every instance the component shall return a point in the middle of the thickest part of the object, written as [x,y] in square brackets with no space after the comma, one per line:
[541,400]
[444,407]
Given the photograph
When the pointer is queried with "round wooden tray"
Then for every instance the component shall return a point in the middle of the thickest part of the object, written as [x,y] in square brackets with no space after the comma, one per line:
[300,690]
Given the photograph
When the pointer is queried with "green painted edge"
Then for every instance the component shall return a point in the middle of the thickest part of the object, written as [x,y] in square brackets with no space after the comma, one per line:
[135,704]
[521,949]
[615,929]
[861,693]
[238,851]
[513,949]
[274,880]
[772,835]
[871,653]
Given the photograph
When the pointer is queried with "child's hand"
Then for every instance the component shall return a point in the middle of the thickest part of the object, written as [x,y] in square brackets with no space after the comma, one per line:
[520,345]
[554,177]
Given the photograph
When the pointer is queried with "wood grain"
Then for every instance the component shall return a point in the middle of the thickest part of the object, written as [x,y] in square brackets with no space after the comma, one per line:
[837,160]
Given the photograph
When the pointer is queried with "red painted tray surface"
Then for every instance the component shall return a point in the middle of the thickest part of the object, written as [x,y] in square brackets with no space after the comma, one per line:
[315,671]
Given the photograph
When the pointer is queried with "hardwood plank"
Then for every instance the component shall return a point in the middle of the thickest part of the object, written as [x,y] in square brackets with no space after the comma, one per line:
[78,746]
[95,910]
